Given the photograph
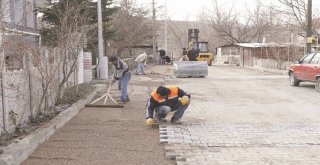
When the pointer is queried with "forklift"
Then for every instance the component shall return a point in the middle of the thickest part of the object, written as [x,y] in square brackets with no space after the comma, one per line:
[200,46]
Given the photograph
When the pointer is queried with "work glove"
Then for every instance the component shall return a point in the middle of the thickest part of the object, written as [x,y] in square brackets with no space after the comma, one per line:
[149,122]
[184,100]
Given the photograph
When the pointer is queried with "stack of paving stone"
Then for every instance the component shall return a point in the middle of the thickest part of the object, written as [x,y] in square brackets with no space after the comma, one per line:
[190,68]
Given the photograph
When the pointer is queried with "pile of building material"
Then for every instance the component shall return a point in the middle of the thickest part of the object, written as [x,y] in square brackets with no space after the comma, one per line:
[190,68]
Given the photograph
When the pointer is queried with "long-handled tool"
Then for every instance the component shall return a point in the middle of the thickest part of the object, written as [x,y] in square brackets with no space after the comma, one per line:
[105,96]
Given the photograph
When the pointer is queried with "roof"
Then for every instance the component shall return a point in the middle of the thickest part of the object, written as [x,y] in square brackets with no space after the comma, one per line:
[141,46]
[273,44]
[15,31]
[259,45]
[226,46]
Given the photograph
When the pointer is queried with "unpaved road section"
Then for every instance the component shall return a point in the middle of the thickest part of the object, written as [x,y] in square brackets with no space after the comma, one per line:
[99,136]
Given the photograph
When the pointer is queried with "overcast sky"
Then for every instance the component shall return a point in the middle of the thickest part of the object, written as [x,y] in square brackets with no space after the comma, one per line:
[191,9]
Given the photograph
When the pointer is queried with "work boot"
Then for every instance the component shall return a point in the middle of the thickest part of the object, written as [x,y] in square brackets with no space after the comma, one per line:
[161,120]
[175,121]
[121,102]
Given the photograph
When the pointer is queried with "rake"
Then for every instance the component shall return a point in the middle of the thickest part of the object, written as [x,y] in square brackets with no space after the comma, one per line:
[105,96]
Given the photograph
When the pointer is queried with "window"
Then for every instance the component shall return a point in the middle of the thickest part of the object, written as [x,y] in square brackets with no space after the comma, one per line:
[315,59]
[5,9]
[203,47]
[18,12]
[307,59]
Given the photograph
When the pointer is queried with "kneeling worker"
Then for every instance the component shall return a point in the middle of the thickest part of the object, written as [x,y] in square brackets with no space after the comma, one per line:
[167,99]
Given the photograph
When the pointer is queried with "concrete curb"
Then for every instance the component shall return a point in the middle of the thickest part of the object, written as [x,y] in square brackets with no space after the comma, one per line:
[16,153]
[262,69]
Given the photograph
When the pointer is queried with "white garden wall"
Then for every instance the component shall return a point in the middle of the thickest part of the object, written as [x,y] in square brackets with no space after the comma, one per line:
[21,91]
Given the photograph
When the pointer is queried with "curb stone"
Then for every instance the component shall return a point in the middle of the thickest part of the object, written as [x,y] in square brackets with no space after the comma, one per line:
[262,69]
[16,153]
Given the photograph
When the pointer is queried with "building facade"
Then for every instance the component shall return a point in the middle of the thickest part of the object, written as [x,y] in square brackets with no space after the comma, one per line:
[18,31]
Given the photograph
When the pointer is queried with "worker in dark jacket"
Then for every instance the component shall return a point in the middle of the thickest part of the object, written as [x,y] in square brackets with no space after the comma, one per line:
[193,54]
[123,75]
[162,56]
[166,99]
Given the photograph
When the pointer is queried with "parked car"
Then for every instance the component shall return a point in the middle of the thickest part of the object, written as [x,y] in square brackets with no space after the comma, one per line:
[306,69]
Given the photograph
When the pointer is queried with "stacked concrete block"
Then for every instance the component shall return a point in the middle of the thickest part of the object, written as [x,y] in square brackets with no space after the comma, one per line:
[87,66]
[190,68]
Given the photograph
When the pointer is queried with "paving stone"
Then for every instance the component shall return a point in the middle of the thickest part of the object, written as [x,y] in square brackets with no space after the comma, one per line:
[246,118]
[252,144]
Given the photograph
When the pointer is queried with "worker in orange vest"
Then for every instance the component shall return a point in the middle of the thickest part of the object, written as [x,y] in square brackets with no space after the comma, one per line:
[167,99]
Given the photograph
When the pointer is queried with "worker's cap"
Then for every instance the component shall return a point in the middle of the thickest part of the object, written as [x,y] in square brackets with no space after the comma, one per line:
[163,91]
[113,58]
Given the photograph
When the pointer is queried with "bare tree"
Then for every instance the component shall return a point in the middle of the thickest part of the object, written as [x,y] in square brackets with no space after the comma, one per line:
[71,24]
[250,25]
[296,9]
[14,45]
[40,82]
[3,12]
[231,29]
[131,26]
[294,12]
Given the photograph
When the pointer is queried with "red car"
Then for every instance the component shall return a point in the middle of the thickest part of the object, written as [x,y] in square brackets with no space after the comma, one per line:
[306,69]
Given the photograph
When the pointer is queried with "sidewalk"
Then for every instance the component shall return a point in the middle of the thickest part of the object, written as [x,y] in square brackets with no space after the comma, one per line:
[106,135]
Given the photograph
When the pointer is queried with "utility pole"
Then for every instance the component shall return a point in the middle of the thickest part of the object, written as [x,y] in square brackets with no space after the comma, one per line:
[309,25]
[165,27]
[154,49]
[102,69]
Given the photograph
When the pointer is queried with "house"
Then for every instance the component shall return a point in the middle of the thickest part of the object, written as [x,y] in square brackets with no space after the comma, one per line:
[227,54]
[19,31]
[279,52]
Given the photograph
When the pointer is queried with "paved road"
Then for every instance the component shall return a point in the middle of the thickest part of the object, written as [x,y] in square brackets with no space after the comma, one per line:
[243,116]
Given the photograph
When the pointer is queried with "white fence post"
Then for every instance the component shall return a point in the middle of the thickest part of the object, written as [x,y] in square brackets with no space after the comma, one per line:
[81,67]
[3,103]
[28,67]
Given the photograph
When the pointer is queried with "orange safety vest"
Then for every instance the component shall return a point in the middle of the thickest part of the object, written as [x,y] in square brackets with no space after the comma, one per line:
[173,94]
